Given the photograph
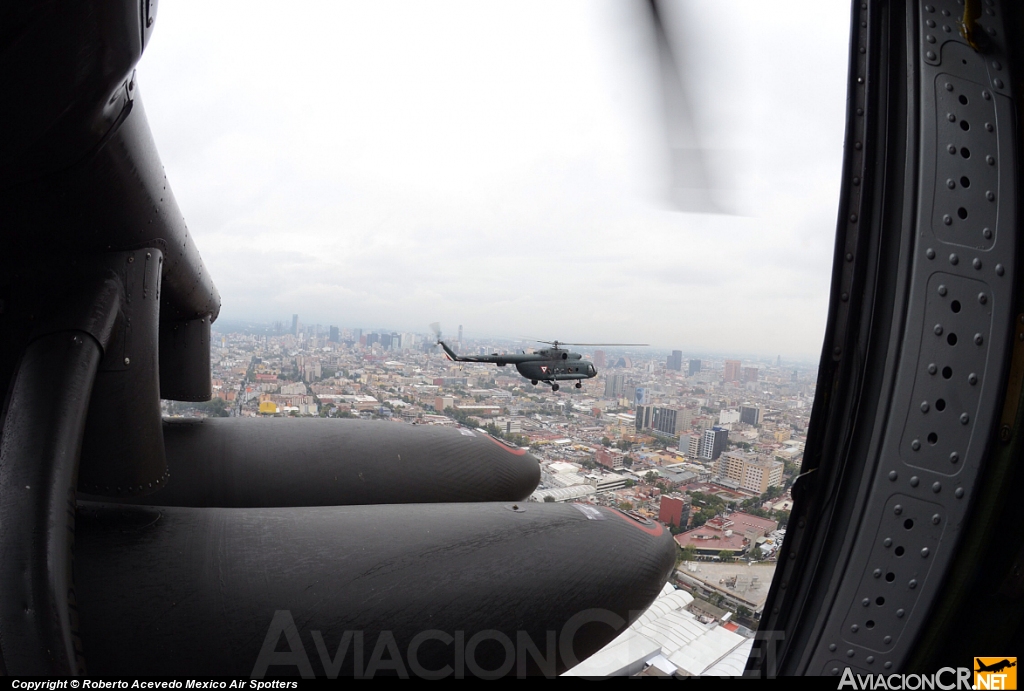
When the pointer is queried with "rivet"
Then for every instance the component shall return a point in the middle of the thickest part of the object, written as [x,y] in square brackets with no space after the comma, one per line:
[863,50]
[856,180]
[930,23]
[947,219]
[972,378]
[999,270]
[802,523]
[989,127]
[127,361]
[942,290]
[911,585]
[914,481]
[849,256]
[982,298]
[930,253]
[959,493]
[877,573]
[954,457]
[936,487]
[835,671]
[978,339]
[888,664]
[870,659]
[950,117]
[951,184]
[986,95]
[954,260]
[832,647]
[932,369]
[951,149]
[77,340]
[976,263]
[936,519]
[987,233]
[916,446]
[860,80]
[990,160]
[945,27]
[929,8]
[844,297]
[849,653]
[964,418]
[938,329]
[131,258]
[853,218]
[837,351]
[930,55]
[857,146]
[949,87]
[854,629]
[990,195]
[899,613]
[930,38]
[998,82]
[887,542]
[925,407]
[898,509]
[893,474]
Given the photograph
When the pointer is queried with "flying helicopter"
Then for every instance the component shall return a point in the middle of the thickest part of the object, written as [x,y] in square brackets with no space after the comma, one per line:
[549,365]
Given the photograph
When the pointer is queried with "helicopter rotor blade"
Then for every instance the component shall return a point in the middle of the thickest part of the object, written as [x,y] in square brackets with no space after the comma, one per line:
[637,345]
[436,328]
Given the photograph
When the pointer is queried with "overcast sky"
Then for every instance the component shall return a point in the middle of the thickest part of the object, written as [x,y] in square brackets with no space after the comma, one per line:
[503,165]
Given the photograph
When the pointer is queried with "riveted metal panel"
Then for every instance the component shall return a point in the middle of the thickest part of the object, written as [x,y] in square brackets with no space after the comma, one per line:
[956,340]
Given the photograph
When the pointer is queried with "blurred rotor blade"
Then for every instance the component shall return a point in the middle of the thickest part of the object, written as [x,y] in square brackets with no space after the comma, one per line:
[436,328]
[693,188]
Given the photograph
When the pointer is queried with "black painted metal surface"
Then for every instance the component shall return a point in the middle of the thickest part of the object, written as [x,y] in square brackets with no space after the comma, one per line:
[250,462]
[195,591]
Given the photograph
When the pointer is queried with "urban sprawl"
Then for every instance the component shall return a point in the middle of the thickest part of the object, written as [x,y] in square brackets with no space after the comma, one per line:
[708,447]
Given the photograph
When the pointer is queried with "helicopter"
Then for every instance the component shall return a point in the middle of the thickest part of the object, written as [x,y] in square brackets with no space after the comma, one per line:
[549,365]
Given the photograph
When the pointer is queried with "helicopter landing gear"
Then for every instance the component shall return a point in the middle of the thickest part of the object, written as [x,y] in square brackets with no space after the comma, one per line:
[579,385]
[554,387]
[534,382]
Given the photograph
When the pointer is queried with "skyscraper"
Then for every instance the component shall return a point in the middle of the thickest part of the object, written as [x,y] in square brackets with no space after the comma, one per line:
[713,443]
[613,385]
[599,360]
[694,367]
[732,370]
[295,325]
[750,374]
[675,360]
[334,334]
[750,415]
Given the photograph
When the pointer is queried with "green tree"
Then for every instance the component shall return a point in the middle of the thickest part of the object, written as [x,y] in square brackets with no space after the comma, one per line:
[626,506]
[689,553]
[725,555]
[651,476]
[605,441]
[549,499]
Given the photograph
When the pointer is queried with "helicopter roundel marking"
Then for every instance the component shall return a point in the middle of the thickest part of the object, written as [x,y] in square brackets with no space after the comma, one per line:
[654,528]
[514,452]
[544,369]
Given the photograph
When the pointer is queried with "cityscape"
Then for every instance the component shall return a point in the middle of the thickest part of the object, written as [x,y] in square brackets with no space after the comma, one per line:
[707,446]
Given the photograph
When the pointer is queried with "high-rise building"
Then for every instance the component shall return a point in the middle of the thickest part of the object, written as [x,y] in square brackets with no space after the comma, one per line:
[599,360]
[675,360]
[749,471]
[694,367]
[750,415]
[674,510]
[613,385]
[460,334]
[642,396]
[295,325]
[334,334]
[750,374]
[689,444]
[732,370]
[644,415]
[713,443]
[385,341]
